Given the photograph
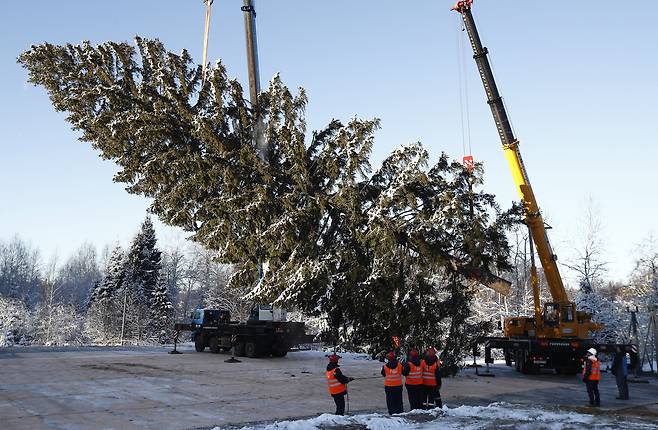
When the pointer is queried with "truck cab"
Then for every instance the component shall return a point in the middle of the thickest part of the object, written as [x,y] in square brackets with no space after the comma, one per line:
[200,318]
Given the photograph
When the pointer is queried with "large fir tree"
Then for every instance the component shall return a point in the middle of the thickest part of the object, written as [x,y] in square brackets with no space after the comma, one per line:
[390,253]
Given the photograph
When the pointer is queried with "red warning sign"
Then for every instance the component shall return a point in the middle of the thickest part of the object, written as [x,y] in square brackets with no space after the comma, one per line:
[468,162]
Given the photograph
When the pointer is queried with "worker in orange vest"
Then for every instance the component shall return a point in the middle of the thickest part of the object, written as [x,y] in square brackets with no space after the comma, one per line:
[337,383]
[413,371]
[432,379]
[592,376]
[392,373]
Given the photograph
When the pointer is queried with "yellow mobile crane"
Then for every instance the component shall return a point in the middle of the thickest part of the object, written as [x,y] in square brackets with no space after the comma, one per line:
[557,335]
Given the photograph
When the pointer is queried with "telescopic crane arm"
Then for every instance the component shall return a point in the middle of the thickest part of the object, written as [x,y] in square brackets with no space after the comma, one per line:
[510,144]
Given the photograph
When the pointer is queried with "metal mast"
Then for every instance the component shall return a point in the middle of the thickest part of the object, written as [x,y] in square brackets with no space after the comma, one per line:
[254,75]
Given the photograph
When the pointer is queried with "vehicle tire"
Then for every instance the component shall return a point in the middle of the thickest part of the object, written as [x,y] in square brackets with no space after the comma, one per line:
[517,361]
[251,349]
[213,344]
[239,349]
[523,362]
[199,343]
[278,351]
[508,358]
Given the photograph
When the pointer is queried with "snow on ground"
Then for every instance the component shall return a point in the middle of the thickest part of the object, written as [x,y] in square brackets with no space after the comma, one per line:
[494,416]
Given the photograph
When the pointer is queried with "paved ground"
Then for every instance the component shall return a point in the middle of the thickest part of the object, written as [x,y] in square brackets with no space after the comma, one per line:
[125,388]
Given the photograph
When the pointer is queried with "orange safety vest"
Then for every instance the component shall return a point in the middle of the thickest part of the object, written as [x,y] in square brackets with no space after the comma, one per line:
[595,374]
[429,376]
[393,376]
[415,376]
[335,387]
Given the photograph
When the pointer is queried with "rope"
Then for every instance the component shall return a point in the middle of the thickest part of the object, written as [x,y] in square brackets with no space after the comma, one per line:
[205,41]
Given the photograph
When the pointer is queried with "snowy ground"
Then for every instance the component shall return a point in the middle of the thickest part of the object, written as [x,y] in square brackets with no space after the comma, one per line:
[136,388]
[494,416]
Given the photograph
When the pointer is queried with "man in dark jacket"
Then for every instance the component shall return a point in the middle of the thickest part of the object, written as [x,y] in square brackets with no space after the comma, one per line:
[432,378]
[620,370]
[337,383]
[392,373]
[413,371]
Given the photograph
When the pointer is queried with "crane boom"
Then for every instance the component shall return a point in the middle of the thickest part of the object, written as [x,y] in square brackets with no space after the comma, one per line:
[510,144]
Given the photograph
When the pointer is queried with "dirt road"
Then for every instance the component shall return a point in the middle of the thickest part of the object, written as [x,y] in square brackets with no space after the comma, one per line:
[125,388]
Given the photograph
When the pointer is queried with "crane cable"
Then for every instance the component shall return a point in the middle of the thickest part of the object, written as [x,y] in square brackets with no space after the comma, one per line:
[205,40]
[464,108]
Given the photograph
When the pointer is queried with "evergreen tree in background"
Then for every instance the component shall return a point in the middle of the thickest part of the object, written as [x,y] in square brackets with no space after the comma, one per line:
[143,263]
[113,279]
[396,252]
[143,266]
[161,312]
[104,306]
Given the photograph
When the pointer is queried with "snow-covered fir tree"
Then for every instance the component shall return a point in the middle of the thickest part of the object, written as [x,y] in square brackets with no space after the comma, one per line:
[161,312]
[377,254]
[143,263]
[147,302]
[104,306]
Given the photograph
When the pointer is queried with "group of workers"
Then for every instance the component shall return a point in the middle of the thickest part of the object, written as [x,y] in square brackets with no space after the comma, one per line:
[592,376]
[422,378]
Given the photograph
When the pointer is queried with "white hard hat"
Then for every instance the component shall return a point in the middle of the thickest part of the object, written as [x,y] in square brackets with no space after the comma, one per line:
[592,351]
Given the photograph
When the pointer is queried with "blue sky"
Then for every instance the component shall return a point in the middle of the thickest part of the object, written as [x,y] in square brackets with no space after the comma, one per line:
[579,79]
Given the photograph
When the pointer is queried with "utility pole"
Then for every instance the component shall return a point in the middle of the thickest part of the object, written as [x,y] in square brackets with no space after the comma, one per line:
[254,75]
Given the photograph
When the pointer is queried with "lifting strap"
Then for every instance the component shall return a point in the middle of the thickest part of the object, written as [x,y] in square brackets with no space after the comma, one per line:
[205,41]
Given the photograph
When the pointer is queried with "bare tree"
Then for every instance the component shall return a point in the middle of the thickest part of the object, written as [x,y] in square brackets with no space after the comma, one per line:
[588,262]
[78,275]
[50,292]
[19,270]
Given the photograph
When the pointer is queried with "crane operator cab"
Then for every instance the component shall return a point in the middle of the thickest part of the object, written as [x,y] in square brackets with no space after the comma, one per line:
[559,320]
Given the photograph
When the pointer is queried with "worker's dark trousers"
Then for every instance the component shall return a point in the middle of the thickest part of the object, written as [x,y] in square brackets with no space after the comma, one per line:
[339,399]
[593,393]
[394,400]
[622,385]
[432,396]
[415,393]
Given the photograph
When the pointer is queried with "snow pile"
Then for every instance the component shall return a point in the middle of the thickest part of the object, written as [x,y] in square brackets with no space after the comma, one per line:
[495,415]
[507,412]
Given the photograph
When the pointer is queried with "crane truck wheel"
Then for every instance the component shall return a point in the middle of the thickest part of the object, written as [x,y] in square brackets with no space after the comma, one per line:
[199,343]
[251,349]
[279,351]
[239,349]
[214,345]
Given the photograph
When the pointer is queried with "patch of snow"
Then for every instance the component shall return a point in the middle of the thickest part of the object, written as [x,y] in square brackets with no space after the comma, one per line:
[502,415]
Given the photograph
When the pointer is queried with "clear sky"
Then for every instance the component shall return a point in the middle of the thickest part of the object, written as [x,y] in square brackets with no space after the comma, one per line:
[579,79]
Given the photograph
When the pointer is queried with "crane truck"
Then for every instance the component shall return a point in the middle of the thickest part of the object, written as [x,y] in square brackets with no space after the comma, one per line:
[558,334]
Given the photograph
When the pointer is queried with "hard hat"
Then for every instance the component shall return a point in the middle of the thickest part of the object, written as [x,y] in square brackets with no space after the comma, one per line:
[431,351]
[333,358]
[591,351]
[390,356]
[413,353]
